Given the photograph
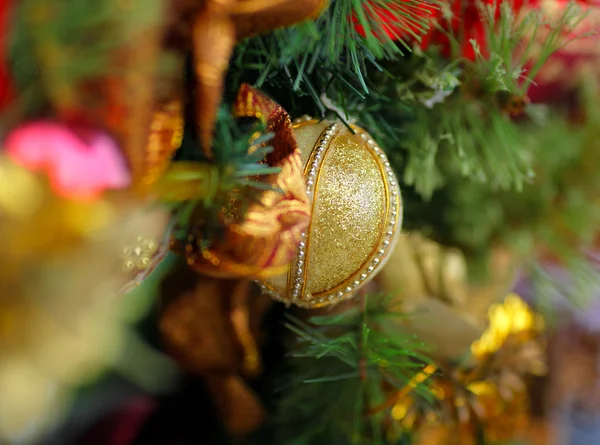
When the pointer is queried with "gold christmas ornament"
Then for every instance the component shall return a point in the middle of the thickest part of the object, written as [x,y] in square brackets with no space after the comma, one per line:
[355,219]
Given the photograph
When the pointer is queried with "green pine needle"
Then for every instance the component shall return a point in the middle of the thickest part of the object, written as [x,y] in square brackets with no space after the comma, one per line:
[555,209]
[332,44]
[200,190]
[512,64]
[346,357]
[385,25]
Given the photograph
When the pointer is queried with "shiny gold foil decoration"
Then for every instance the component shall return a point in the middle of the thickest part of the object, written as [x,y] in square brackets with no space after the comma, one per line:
[486,395]
[164,138]
[511,317]
[216,27]
[262,241]
[356,216]
[209,325]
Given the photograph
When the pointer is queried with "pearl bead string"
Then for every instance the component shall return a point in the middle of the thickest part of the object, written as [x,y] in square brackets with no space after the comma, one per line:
[315,165]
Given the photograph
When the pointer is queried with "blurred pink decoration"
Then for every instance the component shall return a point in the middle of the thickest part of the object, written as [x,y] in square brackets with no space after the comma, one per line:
[80,165]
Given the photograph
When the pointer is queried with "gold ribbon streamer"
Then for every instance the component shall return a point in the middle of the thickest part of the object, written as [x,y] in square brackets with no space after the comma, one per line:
[217,26]
[263,242]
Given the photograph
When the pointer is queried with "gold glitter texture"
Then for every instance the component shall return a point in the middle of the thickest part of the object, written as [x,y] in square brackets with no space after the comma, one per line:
[139,256]
[356,216]
[348,217]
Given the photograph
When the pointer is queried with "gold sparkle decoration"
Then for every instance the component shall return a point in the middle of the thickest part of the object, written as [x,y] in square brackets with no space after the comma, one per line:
[356,216]
[139,256]
[486,394]
[356,186]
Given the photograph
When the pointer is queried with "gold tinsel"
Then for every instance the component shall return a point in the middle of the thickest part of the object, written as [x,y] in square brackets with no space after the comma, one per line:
[487,393]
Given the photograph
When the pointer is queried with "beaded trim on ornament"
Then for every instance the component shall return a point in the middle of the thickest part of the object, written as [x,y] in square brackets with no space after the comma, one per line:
[315,161]
[395,222]
[394,216]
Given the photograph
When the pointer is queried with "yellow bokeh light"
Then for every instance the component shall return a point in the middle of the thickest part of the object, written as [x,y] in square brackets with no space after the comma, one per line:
[510,317]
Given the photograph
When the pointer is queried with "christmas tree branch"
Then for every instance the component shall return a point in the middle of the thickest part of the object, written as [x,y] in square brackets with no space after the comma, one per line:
[554,209]
[468,131]
[347,40]
[520,45]
[353,356]
[194,184]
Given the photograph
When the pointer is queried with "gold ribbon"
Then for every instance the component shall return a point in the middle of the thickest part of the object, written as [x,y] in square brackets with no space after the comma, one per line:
[207,324]
[217,27]
[263,242]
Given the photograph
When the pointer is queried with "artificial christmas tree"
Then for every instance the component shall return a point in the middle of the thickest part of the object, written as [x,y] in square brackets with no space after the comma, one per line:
[285,222]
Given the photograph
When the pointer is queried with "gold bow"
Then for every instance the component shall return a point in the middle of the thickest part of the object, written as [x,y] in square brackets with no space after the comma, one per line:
[263,242]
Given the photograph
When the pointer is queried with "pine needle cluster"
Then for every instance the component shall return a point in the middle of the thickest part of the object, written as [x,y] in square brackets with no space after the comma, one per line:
[356,359]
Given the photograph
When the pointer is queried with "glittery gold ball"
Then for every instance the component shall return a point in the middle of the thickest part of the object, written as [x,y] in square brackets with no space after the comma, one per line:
[356,216]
